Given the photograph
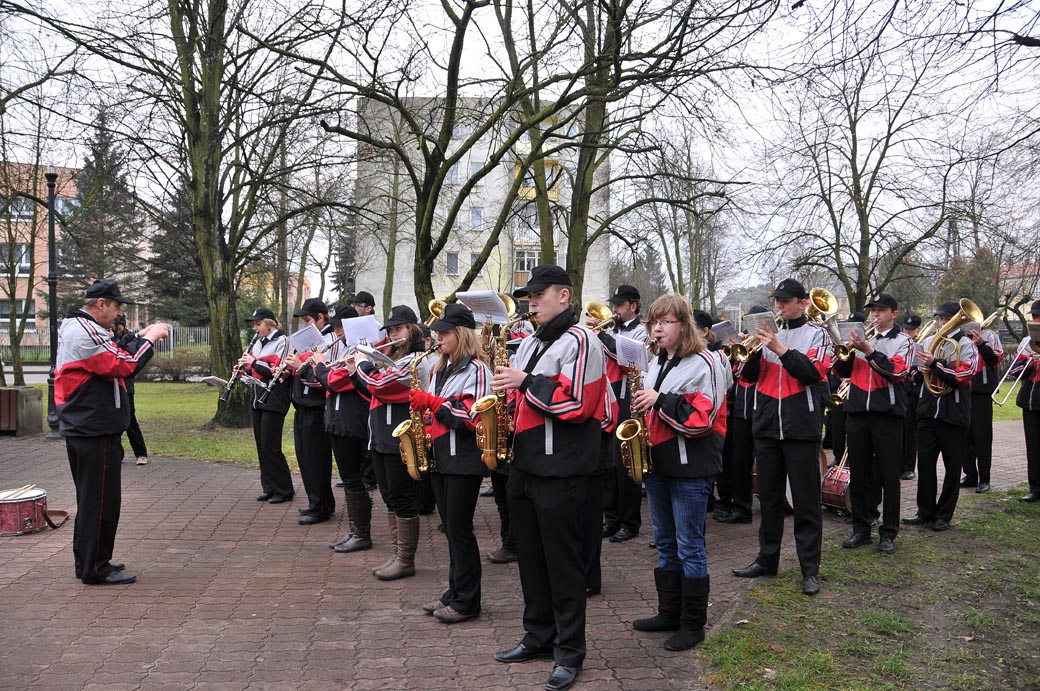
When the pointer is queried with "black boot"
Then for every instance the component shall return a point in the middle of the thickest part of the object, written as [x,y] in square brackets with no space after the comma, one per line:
[694,615]
[669,603]
[359,511]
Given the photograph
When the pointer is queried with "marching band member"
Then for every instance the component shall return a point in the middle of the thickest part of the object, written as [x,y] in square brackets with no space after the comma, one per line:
[622,498]
[592,517]
[912,384]
[313,451]
[685,408]
[389,390]
[942,425]
[456,382]
[1029,401]
[874,409]
[269,414]
[558,387]
[979,457]
[346,421]
[787,423]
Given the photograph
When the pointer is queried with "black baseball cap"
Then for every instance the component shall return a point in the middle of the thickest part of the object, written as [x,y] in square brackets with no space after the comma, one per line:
[789,288]
[312,306]
[543,276]
[1035,309]
[107,288]
[702,319]
[261,313]
[948,309]
[757,309]
[912,321]
[625,293]
[883,300]
[401,314]
[455,315]
[342,312]
[363,298]
[857,317]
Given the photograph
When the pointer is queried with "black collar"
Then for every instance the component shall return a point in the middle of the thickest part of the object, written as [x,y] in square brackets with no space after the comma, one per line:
[557,326]
[795,323]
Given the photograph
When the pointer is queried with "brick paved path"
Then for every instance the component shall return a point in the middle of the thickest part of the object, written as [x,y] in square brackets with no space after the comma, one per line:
[232,594]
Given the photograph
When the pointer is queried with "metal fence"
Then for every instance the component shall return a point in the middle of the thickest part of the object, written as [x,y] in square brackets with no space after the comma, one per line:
[36,346]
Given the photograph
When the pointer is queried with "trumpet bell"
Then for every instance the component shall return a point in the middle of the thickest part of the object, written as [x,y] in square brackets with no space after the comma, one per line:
[600,312]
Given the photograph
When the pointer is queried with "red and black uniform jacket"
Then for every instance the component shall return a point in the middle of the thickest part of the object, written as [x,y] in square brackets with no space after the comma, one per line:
[389,397]
[307,389]
[687,425]
[616,374]
[89,393]
[453,424]
[1029,395]
[955,407]
[269,352]
[559,407]
[789,390]
[346,407]
[877,379]
[991,354]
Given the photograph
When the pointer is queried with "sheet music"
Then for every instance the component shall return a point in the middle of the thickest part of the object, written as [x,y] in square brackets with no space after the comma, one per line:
[251,380]
[307,340]
[725,331]
[760,320]
[847,328]
[213,380]
[361,329]
[486,306]
[631,353]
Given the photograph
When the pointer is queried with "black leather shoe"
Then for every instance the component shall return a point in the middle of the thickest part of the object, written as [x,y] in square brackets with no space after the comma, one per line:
[886,546]
[915,520]
[734,517]
[982,488]
[278,499]
[965,482]
[608,531]
[940,525]
[908,475]
[521,653]
[264,497]
[1030,498]
[592,592]
[857,540]
[810,585]
[623,535]
[340,483]
[721,512]
[117,578]
[562,678]
[489,492]
[311,520]
[754,570]
[117,565]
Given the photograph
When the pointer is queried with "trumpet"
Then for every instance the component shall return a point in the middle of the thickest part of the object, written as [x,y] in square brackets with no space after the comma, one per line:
[839,397]
[845,352]
[600,311]
[236,373]
[1032,344]
[368,350]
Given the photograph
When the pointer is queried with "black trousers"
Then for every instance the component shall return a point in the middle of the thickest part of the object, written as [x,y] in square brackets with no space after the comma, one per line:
[979,459]
[838,432]
[314,456]
[498,486]
[875,463]
[349,453]
[133,432]
[622,498]
[96,468]
[546,517]
[738,458]
[799,462]
[275,477]
[910,435]
[592,527]
[398,489]
[1031,427]
[457,499]
[936,437]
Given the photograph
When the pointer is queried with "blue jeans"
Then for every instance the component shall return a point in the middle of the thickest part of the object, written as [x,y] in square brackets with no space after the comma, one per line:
[678,509]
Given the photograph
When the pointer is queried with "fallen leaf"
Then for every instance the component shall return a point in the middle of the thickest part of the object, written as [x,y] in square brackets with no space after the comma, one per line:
[968,639]
[777,648]
[743,621]
[769,674]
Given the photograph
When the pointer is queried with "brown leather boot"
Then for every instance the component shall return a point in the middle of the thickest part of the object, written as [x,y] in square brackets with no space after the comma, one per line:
[391,519]
[407,542]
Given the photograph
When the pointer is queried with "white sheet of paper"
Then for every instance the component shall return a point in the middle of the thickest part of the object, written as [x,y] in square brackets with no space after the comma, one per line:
[847,328]
[764,320]
[307,340]
[213,380]
[631,353]
[361,330]
[725,331]
[486,306]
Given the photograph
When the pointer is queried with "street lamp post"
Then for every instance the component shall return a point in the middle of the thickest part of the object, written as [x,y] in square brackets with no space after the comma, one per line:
[52,300]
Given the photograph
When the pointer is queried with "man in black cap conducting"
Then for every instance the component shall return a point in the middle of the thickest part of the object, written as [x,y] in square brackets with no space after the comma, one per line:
[912,385]
[787,425]
[93,412]
[943,416]
[559,388]
[622,498]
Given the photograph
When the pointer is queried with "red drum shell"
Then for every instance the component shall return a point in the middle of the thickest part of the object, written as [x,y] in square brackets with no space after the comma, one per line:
[24,514]
[836,489]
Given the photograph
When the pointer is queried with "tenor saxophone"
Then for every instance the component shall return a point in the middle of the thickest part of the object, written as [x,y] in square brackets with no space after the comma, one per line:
[494,421]
[635,442]
[412,432]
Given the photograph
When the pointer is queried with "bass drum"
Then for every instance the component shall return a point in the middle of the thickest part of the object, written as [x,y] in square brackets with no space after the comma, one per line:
[789,496]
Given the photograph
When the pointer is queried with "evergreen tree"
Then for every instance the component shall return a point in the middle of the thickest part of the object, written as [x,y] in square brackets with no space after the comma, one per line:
[175,268]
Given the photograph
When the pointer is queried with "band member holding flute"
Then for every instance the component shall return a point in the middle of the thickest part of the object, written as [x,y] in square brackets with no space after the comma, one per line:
[269,413]
[558,387]
[459,378]
[389,390]
[875,408]
[788,370]
[1029,401]
[979,457]
[685,413]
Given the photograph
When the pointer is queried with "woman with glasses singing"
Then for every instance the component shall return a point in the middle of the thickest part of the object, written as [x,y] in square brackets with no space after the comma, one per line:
[684,407]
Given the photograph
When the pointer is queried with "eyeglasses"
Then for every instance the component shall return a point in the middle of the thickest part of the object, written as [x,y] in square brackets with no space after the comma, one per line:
[661,322]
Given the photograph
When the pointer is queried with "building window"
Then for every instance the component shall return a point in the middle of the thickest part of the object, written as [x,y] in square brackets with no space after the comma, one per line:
[474,258]
[5,309]
[474,171]
[22,259]
[526,259]
[476,219]
[20,209]
[451,263]
[453,175]
[66,205]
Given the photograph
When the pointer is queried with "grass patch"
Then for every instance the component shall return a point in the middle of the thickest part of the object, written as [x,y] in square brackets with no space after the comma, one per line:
[1008,411]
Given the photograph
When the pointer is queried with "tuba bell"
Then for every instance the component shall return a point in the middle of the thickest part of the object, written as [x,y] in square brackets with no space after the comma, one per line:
[968,312]
[436,308]
[822,304]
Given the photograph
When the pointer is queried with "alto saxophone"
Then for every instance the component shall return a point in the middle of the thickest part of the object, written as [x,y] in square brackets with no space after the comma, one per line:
[493,410]
[635,442]
[412,432]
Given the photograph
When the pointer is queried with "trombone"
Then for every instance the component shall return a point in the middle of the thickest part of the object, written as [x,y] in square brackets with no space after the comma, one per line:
[1032,343]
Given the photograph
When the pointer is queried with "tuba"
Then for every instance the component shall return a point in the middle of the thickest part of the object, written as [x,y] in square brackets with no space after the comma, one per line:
[492,410]
[412,434]
[969,312]
[822,304]
[436,308]
[635,442]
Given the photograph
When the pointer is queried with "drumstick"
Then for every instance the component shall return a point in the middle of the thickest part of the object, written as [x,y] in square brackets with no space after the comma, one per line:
[22,491]
[12,493]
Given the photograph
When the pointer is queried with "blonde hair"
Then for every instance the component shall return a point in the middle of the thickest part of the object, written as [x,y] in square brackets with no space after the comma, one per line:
[675,305]
[469,345]
[415,335]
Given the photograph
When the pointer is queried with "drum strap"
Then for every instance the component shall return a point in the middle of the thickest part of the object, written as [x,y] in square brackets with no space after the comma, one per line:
[61,517]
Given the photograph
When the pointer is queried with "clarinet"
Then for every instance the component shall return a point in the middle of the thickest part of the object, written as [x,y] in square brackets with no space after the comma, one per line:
[236,373]
[276,375]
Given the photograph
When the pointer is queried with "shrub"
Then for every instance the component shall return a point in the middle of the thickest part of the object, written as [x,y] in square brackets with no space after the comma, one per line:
[184,363]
